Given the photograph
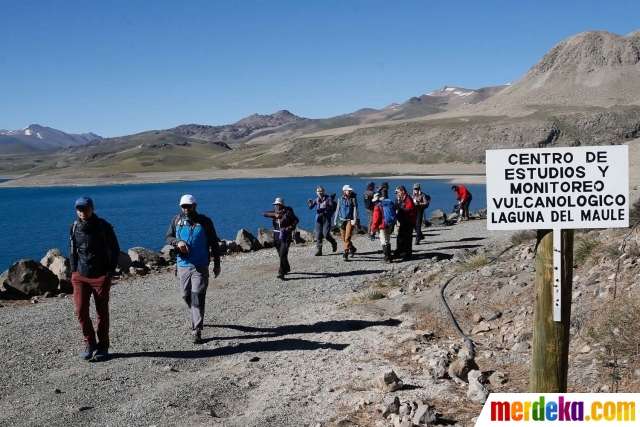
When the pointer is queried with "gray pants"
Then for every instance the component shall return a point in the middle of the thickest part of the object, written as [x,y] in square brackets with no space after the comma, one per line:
[193,285]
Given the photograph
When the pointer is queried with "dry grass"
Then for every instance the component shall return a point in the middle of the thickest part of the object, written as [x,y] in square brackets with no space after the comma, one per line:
[523,236]
[472,263]
[584,248]
[612,330]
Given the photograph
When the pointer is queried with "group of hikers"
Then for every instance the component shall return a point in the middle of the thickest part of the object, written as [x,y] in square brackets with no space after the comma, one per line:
[94,249]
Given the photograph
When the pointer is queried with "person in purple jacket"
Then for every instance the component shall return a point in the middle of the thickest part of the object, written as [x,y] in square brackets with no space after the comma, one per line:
[324,212]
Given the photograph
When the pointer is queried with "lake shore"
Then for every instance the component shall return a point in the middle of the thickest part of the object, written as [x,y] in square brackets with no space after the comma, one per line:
[453,172]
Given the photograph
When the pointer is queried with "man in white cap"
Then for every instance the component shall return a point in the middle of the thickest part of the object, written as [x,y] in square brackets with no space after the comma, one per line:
[347,219]
[284,223]
[194,236]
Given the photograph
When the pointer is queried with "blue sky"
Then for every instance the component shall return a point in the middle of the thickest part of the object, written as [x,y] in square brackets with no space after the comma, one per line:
[122,67]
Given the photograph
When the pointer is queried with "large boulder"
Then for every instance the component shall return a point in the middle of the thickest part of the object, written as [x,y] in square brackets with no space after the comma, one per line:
[59,265]
[438,217]
[304,236]
[141,256]
[247,241]
[124,261]
[265,237]
[27,277]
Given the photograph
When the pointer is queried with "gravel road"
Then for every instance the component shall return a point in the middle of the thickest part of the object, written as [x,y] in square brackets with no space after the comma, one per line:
[276,353]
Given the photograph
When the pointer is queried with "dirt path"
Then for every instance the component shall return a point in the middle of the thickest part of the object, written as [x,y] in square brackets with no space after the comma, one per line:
[292,353]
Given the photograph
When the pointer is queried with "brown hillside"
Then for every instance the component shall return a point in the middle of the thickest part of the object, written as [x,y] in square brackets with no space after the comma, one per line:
[594,68]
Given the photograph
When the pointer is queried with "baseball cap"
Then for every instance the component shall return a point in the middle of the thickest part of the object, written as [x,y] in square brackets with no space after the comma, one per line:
[347,188]
[371,184]
[279,201]
[384,185]
[187,199]
[416,186]
[84,201]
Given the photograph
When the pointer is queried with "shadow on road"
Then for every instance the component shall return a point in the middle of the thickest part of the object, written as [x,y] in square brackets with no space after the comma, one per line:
[327,275]
[260,346]
[316,328]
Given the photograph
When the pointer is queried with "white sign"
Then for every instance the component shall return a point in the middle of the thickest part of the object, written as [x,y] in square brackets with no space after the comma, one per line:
[555,188]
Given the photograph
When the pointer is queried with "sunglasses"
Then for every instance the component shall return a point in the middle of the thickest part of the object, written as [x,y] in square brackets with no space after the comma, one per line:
[82,208]
[186,206]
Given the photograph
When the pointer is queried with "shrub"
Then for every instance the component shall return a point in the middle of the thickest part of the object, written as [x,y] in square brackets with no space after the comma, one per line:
[634,214]
[523,236]
[584,247]
[473,262]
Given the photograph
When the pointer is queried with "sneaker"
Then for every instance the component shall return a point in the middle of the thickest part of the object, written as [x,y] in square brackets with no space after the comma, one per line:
[352,250]
[346,255]
[101,355]
[280,276]
[319,252]
[88,351]
[334,246]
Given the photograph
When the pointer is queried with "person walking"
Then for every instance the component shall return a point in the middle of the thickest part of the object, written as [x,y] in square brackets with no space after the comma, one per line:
[406,222]
[381,223]
[324,212]
[421,201]
[464,198]
[196,241]
[368,202]
[347,219]
[93,258]
[284,223]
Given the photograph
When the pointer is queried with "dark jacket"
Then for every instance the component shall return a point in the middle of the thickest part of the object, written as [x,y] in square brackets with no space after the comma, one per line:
[325,206]
[209,229]
[406,211]
[93,247]
[288,219]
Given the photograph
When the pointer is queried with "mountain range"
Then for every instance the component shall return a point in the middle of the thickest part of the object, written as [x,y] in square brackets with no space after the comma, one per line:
[36,137]
[584,91]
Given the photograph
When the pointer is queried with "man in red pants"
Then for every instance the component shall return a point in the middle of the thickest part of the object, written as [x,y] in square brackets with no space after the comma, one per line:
[93,258]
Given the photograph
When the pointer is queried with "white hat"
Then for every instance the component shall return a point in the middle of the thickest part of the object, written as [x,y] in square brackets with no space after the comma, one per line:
[347,188]
[187,199]
[279,201]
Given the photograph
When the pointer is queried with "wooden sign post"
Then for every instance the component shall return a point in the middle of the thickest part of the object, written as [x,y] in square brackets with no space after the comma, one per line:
[556,191]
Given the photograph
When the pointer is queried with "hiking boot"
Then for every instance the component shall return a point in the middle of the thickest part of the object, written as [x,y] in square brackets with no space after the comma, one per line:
[334,246]
[196,338]
[386,250]
[346,255]
[88,351]
[319,252]
[353,250]
[280,276]
[101,355]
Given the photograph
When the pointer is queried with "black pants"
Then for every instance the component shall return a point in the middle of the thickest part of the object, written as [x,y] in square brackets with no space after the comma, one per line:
[282,247]
[419,217]
[464,207]
[323,229]
[405,240]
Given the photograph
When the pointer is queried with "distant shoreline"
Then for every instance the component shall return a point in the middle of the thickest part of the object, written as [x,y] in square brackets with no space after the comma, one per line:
[452,172]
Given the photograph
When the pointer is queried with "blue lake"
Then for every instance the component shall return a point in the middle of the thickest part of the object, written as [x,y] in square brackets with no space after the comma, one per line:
[35,220]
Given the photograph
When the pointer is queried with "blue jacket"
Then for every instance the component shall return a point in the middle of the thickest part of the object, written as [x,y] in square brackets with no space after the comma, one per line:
[347,208]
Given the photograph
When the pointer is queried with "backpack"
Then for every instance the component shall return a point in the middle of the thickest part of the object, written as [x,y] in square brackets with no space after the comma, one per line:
[334,205]
[389,211]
